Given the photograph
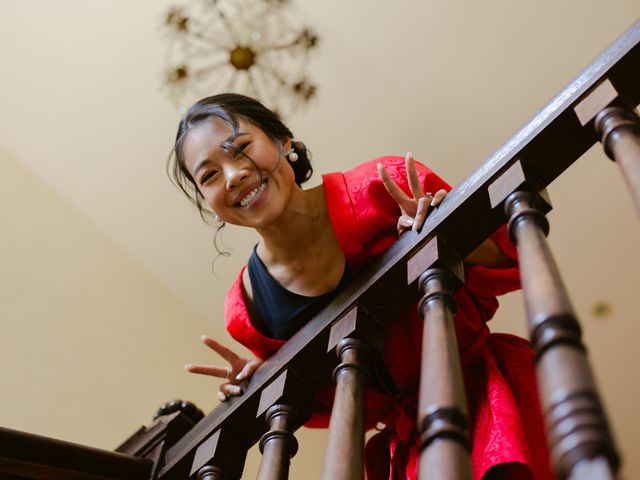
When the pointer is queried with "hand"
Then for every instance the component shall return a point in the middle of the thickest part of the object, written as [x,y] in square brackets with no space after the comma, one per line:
[414,210]
[238,370]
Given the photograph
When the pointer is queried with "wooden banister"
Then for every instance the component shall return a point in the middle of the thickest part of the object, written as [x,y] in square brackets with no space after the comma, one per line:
[215,448]
[28,456]
[547,146]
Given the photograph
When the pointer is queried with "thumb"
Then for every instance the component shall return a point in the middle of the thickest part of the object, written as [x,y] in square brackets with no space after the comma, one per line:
[248,369]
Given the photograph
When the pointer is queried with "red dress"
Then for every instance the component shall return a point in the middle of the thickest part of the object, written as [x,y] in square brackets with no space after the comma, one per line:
[506,424]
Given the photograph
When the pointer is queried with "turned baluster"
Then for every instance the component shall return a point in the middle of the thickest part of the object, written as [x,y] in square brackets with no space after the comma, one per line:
[278,445]
[344,458]
[442,409]
[219,457]
[579,438]
[619,132]
[210,472]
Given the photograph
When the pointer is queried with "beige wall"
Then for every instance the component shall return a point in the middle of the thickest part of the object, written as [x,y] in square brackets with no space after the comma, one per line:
[90,343]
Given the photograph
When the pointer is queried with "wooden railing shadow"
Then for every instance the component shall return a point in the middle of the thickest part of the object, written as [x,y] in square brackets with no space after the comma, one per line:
[508,187]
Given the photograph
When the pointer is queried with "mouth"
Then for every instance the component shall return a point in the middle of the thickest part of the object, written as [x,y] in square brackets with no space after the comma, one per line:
[252,195]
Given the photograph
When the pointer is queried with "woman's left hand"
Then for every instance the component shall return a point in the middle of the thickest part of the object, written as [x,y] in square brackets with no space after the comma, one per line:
[238,369]
[414,210]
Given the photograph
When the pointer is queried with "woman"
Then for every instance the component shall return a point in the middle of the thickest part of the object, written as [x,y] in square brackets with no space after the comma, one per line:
[236,160]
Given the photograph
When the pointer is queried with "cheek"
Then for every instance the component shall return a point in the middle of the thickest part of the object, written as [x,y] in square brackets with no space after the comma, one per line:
[213,198]
[288,173]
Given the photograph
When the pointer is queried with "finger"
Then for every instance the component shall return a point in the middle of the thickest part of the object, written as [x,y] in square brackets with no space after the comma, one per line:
[211,370]
[222,397]
[220,349]
[248,369]
[412,177]
[429,197]
[230,390]
[392,187]
[421,213]
[438,197]
[405,222]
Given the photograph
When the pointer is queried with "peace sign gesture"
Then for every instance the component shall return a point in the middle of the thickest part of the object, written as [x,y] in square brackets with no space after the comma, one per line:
[414,210]
[238,370]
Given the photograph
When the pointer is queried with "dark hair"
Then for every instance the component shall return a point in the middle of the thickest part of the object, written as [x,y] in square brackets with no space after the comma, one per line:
[230,107]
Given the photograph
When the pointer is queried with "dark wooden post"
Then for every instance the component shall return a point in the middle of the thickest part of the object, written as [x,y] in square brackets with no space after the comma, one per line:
[579,437]
[210,472]
[442,408]
[344,458]
[219,457]
[278,445]
[619,132]
[172,420]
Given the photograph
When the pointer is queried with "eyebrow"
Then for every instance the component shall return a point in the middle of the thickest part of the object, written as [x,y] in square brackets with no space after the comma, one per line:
[200,165]
[205,161]
[232,138]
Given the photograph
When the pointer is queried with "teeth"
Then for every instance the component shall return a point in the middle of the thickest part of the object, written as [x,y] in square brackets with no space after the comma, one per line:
[253,194]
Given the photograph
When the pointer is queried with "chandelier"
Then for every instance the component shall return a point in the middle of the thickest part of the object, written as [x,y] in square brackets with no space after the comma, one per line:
[243,46]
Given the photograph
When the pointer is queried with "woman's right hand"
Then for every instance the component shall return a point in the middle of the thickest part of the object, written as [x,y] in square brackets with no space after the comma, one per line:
[238,370]
[414,209]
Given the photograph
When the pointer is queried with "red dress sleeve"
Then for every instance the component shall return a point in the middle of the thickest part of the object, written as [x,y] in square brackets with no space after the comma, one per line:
[240,327]
[363,214]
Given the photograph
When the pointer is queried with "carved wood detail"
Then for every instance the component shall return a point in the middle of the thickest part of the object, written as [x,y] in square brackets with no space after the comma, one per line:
[619,132]
[442,409]
[278,445]
[577,427]
[344,458]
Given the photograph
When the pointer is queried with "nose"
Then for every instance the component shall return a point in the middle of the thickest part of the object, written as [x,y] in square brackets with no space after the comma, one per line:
[235,173]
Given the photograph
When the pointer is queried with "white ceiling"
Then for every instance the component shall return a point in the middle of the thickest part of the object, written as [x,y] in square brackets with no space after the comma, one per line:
[83,108]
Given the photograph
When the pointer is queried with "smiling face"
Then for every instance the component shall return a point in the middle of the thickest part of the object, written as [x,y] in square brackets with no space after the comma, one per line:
[244,179]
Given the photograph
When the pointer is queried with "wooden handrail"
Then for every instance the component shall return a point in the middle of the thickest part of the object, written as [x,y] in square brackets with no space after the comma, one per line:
[546,146]
[26,455]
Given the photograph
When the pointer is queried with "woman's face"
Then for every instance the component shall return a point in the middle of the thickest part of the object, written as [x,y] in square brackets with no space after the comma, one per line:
[238,191]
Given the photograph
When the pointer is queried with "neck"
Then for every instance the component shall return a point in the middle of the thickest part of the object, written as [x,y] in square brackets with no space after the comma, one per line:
[297,229]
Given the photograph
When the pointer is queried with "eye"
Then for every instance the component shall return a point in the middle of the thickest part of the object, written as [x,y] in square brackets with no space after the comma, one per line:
[207,176]
[240,149]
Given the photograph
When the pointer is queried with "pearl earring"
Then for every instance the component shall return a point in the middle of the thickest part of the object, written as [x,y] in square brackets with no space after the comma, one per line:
[293,156]
[216,217]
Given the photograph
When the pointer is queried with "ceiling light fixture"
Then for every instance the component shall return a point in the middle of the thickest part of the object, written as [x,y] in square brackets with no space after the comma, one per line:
[242,46]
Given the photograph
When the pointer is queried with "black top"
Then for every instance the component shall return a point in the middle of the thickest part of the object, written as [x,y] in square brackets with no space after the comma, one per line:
[281,313]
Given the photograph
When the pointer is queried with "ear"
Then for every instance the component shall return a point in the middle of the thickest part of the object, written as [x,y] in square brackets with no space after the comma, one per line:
[286,145]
